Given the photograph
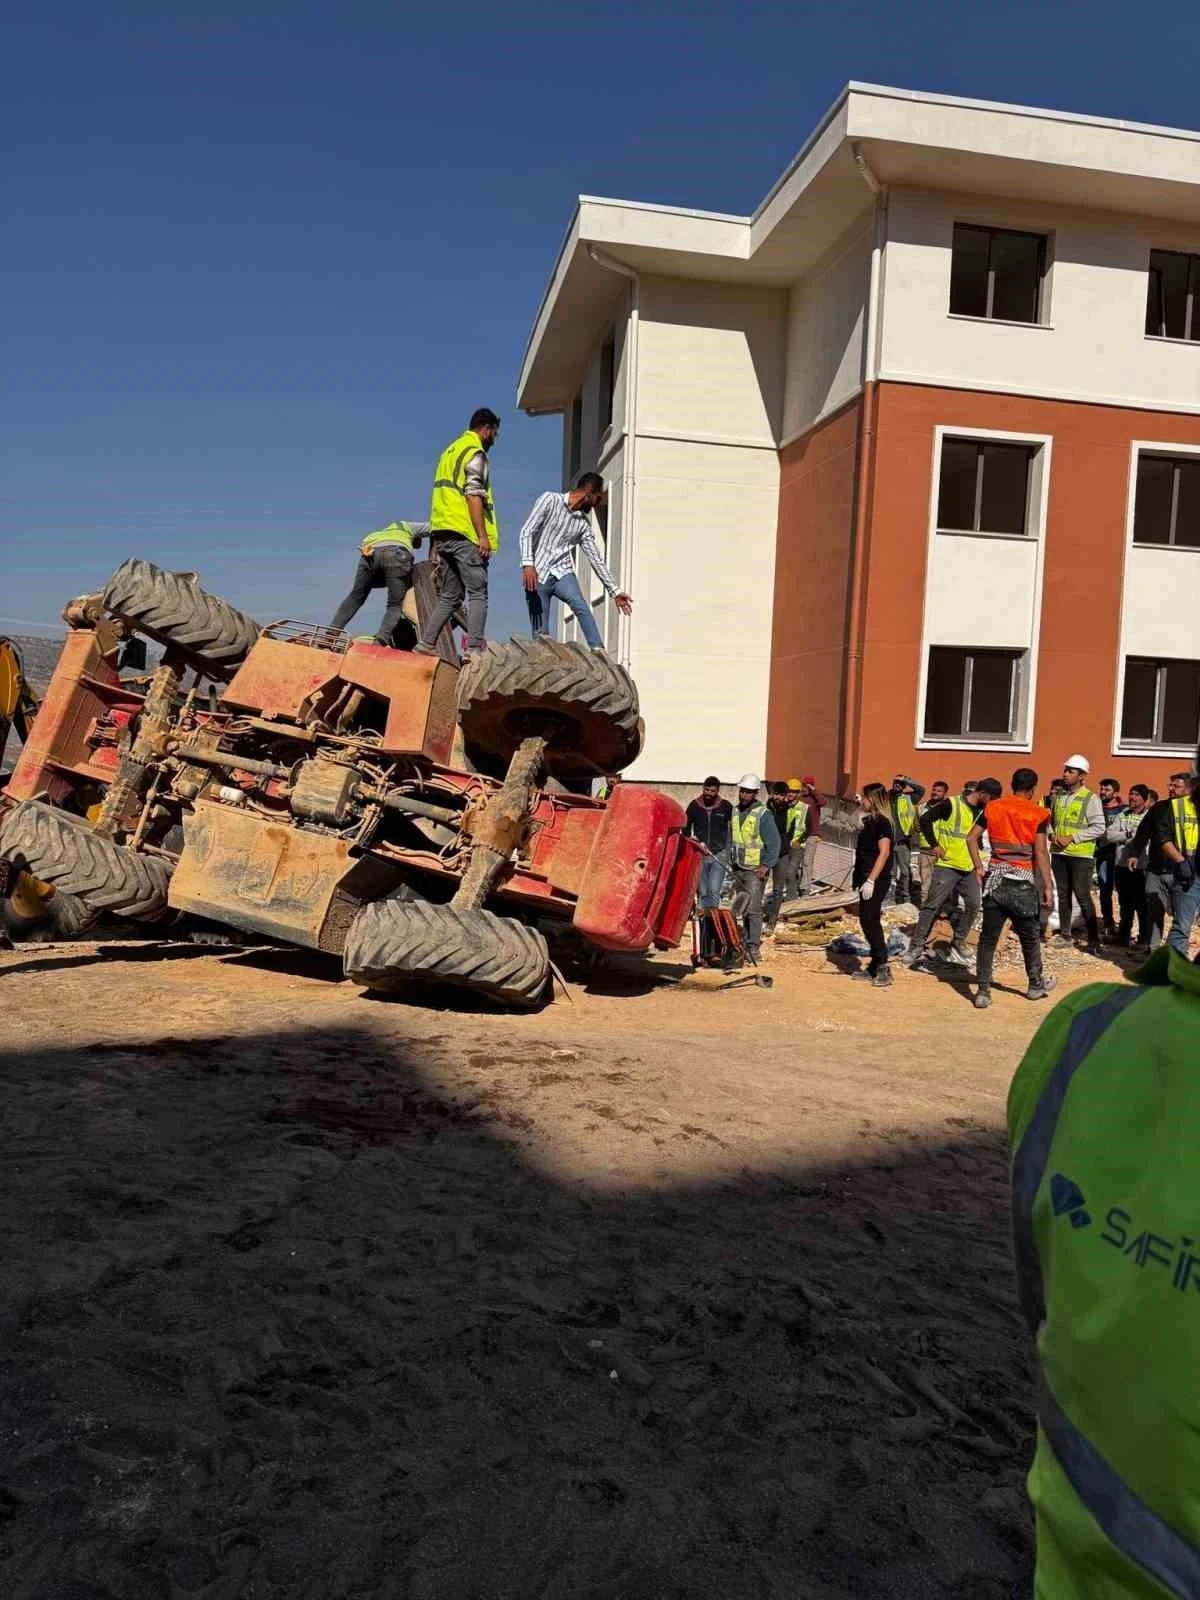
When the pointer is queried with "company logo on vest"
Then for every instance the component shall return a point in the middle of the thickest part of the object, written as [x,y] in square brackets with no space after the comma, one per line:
[1067,1199]
[1143,1247]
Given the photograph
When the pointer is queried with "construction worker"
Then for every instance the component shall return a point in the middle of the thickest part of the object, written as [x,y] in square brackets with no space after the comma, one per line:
[926,861]
[385,561]
[1177,834]
[1016,882]
[1145,854]
[754,849]
[708,822]
[903,800]
[807,790]
[1076,822]
[1102,1116]
[790,812]
[945,826]
[463,532]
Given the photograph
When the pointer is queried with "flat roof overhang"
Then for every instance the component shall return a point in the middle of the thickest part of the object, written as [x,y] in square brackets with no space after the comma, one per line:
[905,138]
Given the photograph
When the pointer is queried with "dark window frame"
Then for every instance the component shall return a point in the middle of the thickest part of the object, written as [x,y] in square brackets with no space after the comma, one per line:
[1029,449]
[1156,319]
[1156,740]
[1178,463]
[1042,258]
[1018,663]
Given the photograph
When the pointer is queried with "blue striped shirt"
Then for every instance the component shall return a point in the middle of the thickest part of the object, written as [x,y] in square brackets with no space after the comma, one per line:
[551,536]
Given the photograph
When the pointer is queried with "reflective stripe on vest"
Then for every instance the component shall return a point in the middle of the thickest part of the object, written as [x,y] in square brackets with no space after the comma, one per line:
[747,836]
[951,833]
[448,512]
[1069,812]
[395,533]
[1134,1529]
[1187,827]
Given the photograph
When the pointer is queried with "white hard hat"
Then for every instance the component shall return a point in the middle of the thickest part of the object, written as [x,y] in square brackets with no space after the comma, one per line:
[1080,762]
[749,780]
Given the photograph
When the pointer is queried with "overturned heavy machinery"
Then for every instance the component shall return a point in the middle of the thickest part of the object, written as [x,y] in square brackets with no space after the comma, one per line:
[345,797]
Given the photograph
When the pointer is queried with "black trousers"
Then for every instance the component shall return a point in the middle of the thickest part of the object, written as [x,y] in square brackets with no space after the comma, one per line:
[1073,879]
[1106,878]
[870,916]
[1131,894]
[1016,902]
[389,566]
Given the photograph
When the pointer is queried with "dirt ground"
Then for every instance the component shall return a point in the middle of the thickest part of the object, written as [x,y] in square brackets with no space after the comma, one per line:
[659,1294]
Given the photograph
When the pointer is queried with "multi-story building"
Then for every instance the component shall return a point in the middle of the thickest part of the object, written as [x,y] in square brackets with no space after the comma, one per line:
[904,468]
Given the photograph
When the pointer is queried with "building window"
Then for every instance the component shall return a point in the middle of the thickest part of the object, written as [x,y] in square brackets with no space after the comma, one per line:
[575,440]
[972,694]
[1166,506]
[1173,295]
[1162,703]
[983,487]
[996,273]
[608,363]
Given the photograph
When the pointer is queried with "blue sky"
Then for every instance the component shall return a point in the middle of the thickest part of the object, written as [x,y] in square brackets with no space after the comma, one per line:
[258,266]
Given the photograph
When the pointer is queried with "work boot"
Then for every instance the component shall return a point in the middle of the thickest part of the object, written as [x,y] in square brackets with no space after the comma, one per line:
[982,1000]
[1095,951]
[883,978]
[864,975]
[1040,987]
[913,955]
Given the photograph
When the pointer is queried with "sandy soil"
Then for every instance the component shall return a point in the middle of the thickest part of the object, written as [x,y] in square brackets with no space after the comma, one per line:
[660,1293]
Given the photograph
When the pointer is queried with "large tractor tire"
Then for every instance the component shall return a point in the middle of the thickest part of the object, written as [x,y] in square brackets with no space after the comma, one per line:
[393,942]
[581,701]
[171,607]
[63,851]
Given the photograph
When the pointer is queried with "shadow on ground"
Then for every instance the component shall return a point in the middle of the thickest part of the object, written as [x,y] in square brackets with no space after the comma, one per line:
[282,1320]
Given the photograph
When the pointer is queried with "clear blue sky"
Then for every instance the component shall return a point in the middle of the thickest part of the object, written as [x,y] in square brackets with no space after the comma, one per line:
[257,268]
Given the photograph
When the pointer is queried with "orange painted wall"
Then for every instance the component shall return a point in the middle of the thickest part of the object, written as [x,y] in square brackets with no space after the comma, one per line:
[812,560]
[1081,595]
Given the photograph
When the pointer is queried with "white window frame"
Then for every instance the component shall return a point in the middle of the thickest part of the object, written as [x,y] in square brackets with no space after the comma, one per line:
[1166,752]
[1039,499]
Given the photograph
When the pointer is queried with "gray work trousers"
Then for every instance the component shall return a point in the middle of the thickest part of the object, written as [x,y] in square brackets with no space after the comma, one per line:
[944,884]
[462,571]
[785,884]
[747,905]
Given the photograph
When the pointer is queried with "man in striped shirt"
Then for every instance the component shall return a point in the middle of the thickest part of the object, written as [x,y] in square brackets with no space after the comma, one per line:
[557,526]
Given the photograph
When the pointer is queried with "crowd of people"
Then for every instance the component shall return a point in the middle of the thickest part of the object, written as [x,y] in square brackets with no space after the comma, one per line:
[978,855]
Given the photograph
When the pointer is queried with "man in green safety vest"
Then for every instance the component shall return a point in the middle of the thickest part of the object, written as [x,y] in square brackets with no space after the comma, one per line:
[903,799]
[463,531]
[789,810]
[945,826]
[385,561]
[1102,1118]
[1076,822]
[1177,834]
[753,850]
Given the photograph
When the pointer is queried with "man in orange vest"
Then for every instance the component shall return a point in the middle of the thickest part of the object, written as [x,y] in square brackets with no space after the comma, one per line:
[1016,882]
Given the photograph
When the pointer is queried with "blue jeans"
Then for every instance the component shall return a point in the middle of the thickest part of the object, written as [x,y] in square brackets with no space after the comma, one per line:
[566,587]
[1185,903]
[712,881]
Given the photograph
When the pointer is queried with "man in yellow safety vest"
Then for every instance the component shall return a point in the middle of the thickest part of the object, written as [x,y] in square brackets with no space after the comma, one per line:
[1076,822]
[945,826]
[903,800]
[1177,834]
[789,811]
[754,849]
[463,531]
[385,561]
[1102,1117]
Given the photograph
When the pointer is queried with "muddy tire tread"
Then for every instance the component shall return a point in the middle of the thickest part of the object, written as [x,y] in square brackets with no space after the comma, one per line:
[103,876]
[392,942]
[171,608]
